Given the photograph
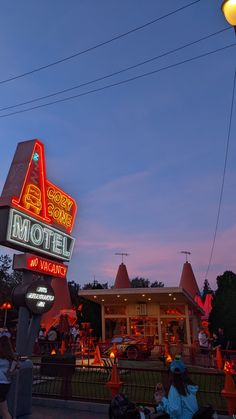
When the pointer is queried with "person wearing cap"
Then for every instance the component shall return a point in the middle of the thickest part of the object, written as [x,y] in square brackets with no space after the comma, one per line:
[181,402]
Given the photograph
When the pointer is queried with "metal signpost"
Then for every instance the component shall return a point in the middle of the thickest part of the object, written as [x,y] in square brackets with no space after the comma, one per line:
[37,218]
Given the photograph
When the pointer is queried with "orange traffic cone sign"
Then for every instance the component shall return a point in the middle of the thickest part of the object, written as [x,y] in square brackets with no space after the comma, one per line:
[97,356]
[114,383]
[219,361]
[229,393]
[63,347]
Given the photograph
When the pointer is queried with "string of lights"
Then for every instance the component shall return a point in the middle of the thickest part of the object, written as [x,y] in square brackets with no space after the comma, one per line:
[223,178]
[150,73]
[99,45]
[59,92]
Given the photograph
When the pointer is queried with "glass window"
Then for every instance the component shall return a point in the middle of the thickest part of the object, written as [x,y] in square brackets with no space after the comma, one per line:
[173,330]
[115,309]
[114,327]
[172,310]
[143,326]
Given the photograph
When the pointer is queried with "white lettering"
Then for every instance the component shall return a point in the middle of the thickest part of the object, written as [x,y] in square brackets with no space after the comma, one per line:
[21,228]
[57,244]
[40,304]
[24,230]
[42,289]
[65,252]
[36,234]
[47,237]
[35,296]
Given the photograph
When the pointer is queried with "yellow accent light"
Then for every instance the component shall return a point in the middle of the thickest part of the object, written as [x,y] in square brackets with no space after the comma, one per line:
[229,10]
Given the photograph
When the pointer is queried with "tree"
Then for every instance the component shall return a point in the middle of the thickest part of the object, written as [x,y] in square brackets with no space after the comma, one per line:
[139,282]
[223,313]
[95,285]
[157,284]
[206,289]
[86,310]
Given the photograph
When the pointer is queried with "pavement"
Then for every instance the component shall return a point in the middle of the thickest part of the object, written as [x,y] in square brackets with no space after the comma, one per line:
[42,412]
[59,409]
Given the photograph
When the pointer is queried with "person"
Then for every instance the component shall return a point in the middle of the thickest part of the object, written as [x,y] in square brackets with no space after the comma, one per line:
[181,402]
[52,338]
[222,340]
[203,341]
[7,356]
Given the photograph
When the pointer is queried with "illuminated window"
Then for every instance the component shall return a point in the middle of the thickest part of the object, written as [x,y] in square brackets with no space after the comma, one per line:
[115,309]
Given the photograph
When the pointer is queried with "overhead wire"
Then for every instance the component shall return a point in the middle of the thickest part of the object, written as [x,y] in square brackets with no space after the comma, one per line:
[119,82]
[223,177]
[101,44]
[114,73]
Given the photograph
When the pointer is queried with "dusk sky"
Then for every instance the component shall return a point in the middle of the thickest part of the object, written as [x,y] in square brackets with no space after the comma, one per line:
[143,159]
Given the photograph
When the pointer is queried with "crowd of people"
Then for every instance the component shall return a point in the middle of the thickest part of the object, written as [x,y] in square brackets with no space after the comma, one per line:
[179,401]
[52,339]
[218,340]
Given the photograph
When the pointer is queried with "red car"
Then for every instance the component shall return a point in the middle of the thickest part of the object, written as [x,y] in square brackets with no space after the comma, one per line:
[130,347]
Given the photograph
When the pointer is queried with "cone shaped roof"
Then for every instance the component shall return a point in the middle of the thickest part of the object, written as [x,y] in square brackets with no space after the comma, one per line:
[188,280]
[62,301]
[122,277]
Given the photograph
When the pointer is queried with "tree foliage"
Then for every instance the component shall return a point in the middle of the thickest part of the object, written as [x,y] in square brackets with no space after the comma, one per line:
[87,311]
[140,282]
[223,312]
[8,280]
[157,284]
[206,289]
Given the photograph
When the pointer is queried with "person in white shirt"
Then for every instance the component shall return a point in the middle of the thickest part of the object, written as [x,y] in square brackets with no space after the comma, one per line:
[203,341]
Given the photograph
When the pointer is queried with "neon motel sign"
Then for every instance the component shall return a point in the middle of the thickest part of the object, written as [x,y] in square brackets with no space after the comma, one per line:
[40,215]
[27,261]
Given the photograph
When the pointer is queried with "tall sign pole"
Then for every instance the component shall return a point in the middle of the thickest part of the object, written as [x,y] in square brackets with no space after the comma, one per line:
[36,217]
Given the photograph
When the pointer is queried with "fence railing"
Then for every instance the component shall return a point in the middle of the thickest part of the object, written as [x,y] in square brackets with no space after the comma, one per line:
[194,355]
[89,383]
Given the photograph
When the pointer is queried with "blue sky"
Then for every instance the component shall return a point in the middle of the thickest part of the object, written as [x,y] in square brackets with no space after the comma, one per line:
[144,160]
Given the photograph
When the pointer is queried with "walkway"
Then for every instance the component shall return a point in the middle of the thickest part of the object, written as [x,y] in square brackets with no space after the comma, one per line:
[40,412]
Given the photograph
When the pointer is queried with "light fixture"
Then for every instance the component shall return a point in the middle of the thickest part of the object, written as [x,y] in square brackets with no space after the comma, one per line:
[170,295]
[174,298]
[94,296]
[118,296]
[125,299]
[229,10]
[149,299]
[103,299]
[143,295]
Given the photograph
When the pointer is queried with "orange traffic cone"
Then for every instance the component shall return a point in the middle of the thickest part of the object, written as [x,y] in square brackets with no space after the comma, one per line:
[114,383]
[97,357]
[63,347]
[229,393]
[219,361]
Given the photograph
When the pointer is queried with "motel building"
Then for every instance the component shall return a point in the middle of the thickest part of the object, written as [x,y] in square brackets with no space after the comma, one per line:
[170,314]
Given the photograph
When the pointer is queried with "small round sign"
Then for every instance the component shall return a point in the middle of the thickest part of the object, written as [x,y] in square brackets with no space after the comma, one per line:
[39,297]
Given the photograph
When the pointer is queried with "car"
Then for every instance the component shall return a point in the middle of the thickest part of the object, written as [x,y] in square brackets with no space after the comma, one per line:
[129,347]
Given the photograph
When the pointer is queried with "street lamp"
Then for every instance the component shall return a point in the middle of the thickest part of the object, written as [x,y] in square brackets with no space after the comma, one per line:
[229,10]
[5,306]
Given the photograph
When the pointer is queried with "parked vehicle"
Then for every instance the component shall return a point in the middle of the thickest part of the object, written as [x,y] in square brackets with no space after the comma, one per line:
[130,347]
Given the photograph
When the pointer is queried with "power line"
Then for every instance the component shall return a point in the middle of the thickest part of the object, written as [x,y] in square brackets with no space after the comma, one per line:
[114,73]
[118,83]
[223,176]
[101,44]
